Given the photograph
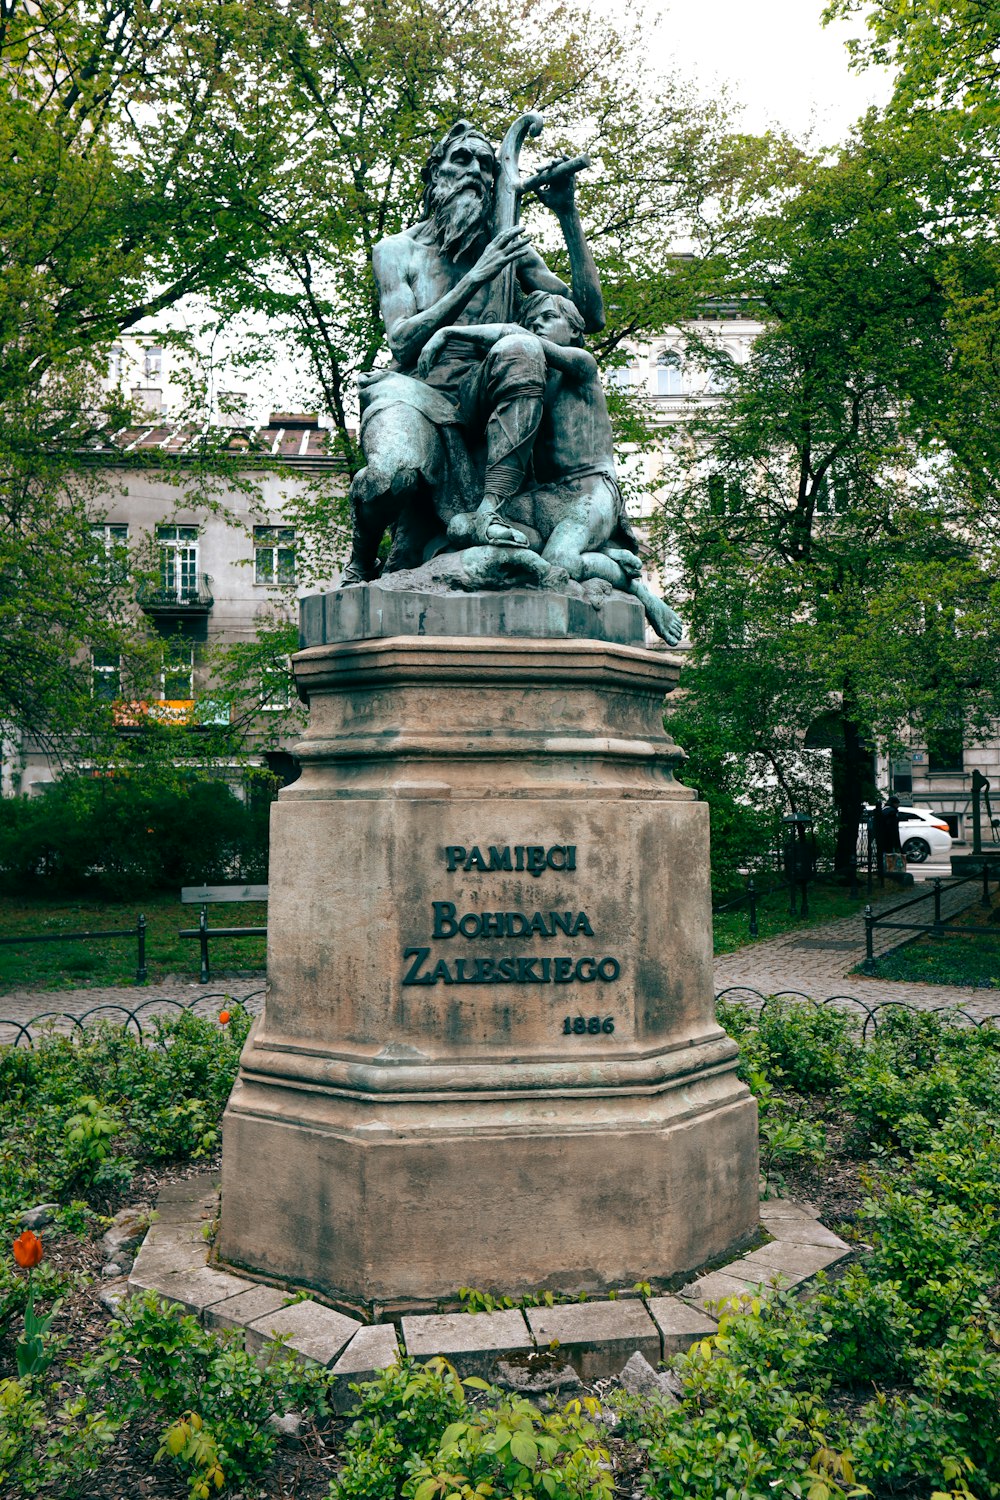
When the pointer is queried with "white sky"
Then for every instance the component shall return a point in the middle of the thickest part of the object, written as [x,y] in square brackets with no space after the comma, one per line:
[779,62]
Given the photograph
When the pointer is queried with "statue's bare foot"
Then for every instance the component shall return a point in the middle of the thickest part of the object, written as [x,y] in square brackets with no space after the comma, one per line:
[629,563]
[668,625]
[492,532]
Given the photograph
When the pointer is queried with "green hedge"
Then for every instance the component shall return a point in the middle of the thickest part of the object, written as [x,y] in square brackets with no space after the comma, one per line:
[126,836]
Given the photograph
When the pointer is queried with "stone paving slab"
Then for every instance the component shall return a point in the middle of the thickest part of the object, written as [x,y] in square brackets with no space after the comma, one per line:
[717,1286]
[245,1307]
[370,1351]
[195,1290]
[313,1331]
[793,1263]
[597,1337]
[473,1342]
[680,1323]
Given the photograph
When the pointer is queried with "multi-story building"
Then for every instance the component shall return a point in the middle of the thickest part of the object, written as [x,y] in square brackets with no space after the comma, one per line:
[213,566]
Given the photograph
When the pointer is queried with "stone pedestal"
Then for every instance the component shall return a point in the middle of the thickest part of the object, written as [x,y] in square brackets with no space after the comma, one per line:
[488,1055]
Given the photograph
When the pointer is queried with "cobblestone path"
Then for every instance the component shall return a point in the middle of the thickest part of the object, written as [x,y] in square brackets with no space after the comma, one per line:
[817,961]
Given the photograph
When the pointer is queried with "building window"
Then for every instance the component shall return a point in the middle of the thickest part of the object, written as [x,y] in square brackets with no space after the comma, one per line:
[111,551]
[669,374]
[276,686]
[274,554]
[625,377]
[177,675]
[106,676]
[724,496]
[152,363]
[116,363]
[945,751]
[832,496]
[178,560]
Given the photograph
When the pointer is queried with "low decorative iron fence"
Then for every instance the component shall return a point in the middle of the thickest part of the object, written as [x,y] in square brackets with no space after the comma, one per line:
[740,994]
[23,1031]
[157,1006]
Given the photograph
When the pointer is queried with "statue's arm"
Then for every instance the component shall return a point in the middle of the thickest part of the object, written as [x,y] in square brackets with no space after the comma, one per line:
[578,364]
[560,197]
[407,326]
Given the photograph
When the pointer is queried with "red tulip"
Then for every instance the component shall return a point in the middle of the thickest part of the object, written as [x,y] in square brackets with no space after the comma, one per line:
[223,1017]
[27,1249]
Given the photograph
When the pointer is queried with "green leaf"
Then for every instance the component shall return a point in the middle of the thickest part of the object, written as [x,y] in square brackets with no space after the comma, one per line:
[524,1448]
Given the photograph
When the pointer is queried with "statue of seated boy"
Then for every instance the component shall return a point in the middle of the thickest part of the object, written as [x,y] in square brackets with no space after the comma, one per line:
[573,514]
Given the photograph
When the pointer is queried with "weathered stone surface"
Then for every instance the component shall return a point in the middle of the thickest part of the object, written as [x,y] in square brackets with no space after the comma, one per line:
[192,1290]
[371,1349]
[176,1250]
[126,1230]
[287,1425]
[313,1331]
[596,1336]
[805,1232]
[717,1286]
[372,1111]
[679,1323]
[640,1379]
[245,1307]
[38,1217]
[111,1298]
[794,1263]
[536,1373]
[471,1341]
[200,1190]
[404,604]
[787,1208]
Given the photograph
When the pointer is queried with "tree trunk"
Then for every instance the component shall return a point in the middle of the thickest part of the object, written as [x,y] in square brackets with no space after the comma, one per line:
[853,785]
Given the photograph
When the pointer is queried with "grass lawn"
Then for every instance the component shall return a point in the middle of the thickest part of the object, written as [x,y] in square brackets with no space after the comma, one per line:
[56,966]
[972,961]
[826,904]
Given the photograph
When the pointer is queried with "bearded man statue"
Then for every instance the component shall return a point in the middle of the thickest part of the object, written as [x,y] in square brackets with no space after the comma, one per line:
[452,430]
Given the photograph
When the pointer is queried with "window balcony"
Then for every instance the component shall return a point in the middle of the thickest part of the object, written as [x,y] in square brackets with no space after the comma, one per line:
[182,600]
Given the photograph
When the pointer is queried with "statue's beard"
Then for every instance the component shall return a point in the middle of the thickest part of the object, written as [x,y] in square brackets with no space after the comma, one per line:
[461,220]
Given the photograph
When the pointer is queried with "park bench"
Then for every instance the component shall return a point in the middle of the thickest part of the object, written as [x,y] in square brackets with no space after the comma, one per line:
[210,895]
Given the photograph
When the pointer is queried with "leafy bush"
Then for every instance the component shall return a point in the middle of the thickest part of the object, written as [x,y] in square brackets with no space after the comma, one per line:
[124,836]
[78,1114]
[417,1437]
[214,1396]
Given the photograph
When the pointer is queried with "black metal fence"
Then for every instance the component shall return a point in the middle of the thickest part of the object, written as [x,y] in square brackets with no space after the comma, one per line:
[137,933]
[938,925]
[744,995]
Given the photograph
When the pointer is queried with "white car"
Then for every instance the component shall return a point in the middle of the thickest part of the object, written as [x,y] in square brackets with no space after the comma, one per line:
[923,833]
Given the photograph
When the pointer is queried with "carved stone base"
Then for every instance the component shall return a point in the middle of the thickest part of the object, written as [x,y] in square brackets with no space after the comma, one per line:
[488,1055]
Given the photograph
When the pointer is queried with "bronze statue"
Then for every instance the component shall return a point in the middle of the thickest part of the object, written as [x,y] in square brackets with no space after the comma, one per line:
[489,432]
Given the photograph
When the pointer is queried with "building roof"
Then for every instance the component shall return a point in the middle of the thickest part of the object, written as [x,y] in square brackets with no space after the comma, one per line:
[294,439]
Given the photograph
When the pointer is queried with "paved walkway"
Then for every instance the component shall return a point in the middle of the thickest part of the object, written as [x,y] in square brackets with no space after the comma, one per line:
[817,961]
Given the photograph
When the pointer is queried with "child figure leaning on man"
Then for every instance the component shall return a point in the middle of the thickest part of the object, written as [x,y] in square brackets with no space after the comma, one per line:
[573,514]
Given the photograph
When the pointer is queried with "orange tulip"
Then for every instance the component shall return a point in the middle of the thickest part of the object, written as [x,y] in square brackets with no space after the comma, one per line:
[223,1017]
[27,1249]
